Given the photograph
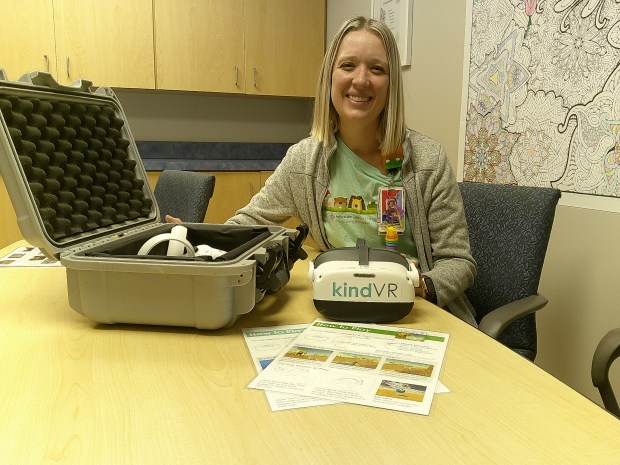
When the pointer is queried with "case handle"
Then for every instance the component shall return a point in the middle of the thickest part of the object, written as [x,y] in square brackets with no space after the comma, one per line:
[39,78]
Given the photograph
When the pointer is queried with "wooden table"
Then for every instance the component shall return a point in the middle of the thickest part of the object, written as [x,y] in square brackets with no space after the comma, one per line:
[75,392]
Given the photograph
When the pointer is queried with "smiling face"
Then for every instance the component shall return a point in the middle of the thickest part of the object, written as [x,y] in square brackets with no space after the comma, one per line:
[360,80]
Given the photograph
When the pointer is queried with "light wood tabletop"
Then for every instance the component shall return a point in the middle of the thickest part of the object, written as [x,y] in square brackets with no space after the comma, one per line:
[77,392]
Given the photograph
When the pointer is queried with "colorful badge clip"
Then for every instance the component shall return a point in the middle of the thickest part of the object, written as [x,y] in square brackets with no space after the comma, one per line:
[393,161]
[391,238]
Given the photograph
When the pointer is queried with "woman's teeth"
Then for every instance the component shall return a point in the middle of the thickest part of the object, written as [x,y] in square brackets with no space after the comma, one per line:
[359,99]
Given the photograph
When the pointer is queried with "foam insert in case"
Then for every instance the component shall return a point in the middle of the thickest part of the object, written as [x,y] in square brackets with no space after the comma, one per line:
[80,192]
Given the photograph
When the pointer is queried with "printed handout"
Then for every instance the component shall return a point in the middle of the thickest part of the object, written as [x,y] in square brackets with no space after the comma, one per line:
[381,366]
[265,344]
[27,256]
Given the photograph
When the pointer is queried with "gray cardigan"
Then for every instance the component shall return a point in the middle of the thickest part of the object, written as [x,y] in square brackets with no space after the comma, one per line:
[434,205]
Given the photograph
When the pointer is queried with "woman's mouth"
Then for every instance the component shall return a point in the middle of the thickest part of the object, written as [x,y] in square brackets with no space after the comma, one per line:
[358,99]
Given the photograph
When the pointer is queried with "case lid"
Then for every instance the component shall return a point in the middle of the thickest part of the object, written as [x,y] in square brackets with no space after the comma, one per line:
[70,163]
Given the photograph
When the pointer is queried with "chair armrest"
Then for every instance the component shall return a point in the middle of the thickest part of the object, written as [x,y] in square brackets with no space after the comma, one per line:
[606,352]
[493,323]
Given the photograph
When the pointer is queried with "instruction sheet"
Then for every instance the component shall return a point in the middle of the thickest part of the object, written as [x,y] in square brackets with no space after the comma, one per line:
[380,366]
[265,344]
[27,256]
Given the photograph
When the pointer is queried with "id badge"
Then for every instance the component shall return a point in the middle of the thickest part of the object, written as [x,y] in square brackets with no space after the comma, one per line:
[391,208]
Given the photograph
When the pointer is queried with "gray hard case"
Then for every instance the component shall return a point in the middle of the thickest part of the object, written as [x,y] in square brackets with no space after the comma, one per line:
[80,192]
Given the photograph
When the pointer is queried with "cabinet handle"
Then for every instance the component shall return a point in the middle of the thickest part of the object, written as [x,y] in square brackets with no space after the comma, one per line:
[254,72]
[47,63]
[68,73]
[251,188]
[236,75]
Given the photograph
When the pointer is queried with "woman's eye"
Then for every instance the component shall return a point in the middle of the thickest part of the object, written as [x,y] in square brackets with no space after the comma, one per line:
[378,69]
[346,65]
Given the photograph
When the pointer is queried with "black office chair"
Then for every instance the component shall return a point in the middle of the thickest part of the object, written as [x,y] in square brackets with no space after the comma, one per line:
[184,194]
[509,229]
[606,352]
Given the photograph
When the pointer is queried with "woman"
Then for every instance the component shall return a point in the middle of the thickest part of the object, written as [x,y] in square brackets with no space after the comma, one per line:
[359,154]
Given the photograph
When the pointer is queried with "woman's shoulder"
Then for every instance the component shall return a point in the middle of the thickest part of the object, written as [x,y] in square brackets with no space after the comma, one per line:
[308,148]
[308,144]
[427,153]
[421,141]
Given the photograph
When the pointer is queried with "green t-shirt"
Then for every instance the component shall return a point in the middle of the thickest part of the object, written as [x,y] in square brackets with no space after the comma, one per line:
[350,206]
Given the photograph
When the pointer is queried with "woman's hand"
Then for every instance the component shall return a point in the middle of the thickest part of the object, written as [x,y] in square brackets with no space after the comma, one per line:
[172,219]
[419,290]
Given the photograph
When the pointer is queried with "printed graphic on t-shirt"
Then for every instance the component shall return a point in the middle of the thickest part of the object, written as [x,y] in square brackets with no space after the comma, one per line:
[350,208]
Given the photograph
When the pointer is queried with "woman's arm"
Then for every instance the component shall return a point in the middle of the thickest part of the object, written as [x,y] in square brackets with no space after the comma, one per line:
[274,203]
[453,269]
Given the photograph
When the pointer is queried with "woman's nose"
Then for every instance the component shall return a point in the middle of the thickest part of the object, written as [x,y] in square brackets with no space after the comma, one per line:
[360,77]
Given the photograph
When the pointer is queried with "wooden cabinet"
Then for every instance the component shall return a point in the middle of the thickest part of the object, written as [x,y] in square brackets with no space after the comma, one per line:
[233,190]
[27,37]
[264,175]
[109,43]
[284,43]
[199,45]
[267,47]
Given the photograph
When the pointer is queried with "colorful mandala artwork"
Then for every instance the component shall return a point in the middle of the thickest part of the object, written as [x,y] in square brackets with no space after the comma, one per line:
[543,96]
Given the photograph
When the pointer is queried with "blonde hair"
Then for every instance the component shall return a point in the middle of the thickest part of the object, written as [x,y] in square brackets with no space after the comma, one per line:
[391,131]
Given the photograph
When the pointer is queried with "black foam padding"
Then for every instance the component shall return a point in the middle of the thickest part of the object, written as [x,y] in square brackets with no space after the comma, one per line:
[76,163]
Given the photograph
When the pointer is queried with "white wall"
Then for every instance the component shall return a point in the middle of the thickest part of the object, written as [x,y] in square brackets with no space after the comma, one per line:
[581,281]
[338,11]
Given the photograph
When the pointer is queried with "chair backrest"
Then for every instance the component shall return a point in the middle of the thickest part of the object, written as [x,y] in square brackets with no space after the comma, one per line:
[509,229]
[184,194]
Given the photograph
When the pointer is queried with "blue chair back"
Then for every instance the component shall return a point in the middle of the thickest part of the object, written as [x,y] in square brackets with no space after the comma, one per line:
[509,230]
[184,194]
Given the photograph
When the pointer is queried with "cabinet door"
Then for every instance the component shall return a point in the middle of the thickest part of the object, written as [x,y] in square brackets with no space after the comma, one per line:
[27,37]
[284,42]
[109,43]
[264,175]
[233,190]
[199,45]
